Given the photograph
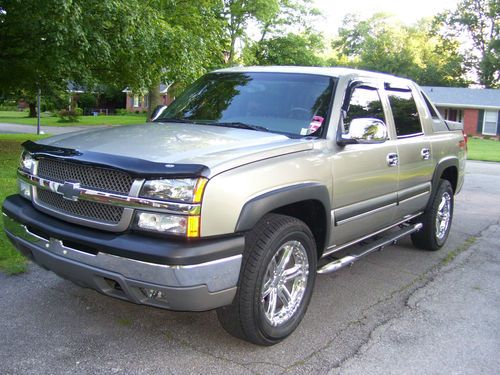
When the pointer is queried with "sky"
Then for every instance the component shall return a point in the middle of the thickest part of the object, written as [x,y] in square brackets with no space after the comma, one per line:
[408,11]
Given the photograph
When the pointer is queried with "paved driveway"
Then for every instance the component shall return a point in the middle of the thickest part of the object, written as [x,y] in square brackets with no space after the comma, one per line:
[397,311]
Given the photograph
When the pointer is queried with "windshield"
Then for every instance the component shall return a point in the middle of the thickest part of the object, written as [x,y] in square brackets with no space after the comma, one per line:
[288,103]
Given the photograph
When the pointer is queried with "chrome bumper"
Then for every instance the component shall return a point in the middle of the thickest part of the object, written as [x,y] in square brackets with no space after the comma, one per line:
[196,287]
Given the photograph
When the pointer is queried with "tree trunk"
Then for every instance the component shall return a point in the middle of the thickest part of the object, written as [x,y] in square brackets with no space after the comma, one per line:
[154,100]
[32,109]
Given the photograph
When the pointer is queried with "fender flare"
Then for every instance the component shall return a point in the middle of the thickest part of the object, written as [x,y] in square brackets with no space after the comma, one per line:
[438,172]
[257,207]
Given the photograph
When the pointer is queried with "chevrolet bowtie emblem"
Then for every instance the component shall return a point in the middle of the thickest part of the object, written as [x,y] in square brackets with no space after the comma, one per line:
[69,190]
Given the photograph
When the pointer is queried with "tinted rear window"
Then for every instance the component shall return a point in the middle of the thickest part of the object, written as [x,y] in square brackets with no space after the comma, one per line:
[404,110]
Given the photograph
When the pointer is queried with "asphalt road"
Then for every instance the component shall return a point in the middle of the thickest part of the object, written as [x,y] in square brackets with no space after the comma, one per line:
[399,311]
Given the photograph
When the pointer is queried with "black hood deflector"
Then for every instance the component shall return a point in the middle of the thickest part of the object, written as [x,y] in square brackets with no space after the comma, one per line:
[134,166]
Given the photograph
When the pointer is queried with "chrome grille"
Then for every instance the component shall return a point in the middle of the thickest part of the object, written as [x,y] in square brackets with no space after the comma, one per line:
[82,209]
[88,176]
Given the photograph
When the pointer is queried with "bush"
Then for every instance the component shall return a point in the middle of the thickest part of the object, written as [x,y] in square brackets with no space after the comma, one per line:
[122,111]
[8,107]
[87,100]
[52,103]
[70,115]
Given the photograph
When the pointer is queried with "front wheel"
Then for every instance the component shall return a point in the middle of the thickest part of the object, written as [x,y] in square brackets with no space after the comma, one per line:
[276,281]
[436,219]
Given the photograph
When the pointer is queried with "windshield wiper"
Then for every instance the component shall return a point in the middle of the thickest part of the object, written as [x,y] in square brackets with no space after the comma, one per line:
[240,125]
[178,120]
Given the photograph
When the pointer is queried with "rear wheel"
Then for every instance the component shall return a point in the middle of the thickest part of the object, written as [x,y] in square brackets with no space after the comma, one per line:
[276,281]
[436,220]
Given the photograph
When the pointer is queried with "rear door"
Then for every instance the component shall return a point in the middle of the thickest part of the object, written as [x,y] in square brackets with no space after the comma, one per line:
[413,149]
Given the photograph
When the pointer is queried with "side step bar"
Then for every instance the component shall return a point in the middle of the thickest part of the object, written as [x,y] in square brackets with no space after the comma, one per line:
[370,248]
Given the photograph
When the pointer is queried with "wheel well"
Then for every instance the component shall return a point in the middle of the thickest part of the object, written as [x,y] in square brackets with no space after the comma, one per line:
[313,214]
[451,174]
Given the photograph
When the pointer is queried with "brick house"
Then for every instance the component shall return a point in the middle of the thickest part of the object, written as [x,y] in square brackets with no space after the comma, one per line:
[477,109]
[137,102]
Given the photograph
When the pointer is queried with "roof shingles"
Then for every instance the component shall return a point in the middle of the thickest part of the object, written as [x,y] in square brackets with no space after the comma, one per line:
[463,97]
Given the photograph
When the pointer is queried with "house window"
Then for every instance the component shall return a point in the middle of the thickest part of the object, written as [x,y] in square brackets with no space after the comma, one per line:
[454,115]
[490,122]
[136,101]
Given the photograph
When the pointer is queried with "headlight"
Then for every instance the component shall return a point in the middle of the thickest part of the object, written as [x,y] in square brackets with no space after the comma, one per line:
[24,189]
[27,162]
[184,190]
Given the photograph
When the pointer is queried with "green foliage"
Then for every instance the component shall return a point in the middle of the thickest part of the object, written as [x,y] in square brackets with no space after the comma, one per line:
[121,111]
[45,44]
[238,14]
[8,105]
[478,21]
[279,45]
[192,40]
[70,115]
[290,49]
[381,44]
[87,100]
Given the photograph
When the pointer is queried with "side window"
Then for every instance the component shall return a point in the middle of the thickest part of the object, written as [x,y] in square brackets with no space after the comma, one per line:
[430,107]
[404,110]
[364,103]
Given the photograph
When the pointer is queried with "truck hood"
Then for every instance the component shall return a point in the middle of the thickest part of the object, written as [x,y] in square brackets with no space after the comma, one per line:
[219,148]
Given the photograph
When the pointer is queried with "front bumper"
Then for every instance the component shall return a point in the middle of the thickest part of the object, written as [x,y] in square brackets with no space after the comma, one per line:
[75,253]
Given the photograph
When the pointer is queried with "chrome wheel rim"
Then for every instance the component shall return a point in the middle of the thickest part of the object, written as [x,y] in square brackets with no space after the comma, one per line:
[443,216]
[284,283]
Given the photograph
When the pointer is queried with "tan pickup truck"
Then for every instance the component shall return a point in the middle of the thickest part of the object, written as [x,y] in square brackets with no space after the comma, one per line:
[237,195]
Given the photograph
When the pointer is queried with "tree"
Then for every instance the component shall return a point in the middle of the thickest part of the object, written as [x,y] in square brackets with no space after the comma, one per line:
[477,21]
[295,16]
[287,38]
[379,43]
[191,44]
[239,13]
[45,44]
[291,49]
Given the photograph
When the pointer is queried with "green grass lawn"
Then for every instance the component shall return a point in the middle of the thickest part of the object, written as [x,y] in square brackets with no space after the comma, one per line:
[11,262]
[16,117]
[483,149]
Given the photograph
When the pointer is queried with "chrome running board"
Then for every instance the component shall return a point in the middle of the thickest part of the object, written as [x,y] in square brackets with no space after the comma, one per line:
[376,245]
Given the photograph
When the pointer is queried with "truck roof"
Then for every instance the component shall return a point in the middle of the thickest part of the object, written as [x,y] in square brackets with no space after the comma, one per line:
[328,71]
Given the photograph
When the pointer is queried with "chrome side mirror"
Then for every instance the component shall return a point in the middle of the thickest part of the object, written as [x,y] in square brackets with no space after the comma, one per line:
[364,130]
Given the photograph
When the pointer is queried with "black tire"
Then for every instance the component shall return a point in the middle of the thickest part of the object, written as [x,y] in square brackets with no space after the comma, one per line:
[245,318]
[429,237]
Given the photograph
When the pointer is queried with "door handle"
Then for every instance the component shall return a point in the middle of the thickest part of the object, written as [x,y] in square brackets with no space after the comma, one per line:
[425,153]
[392,159]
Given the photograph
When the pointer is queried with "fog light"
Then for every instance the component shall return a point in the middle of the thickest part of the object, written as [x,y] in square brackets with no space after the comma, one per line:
[155,294]
[162,222]
[25,189]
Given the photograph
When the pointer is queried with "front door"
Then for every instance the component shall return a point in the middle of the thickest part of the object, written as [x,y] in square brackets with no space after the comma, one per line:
[365,176]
